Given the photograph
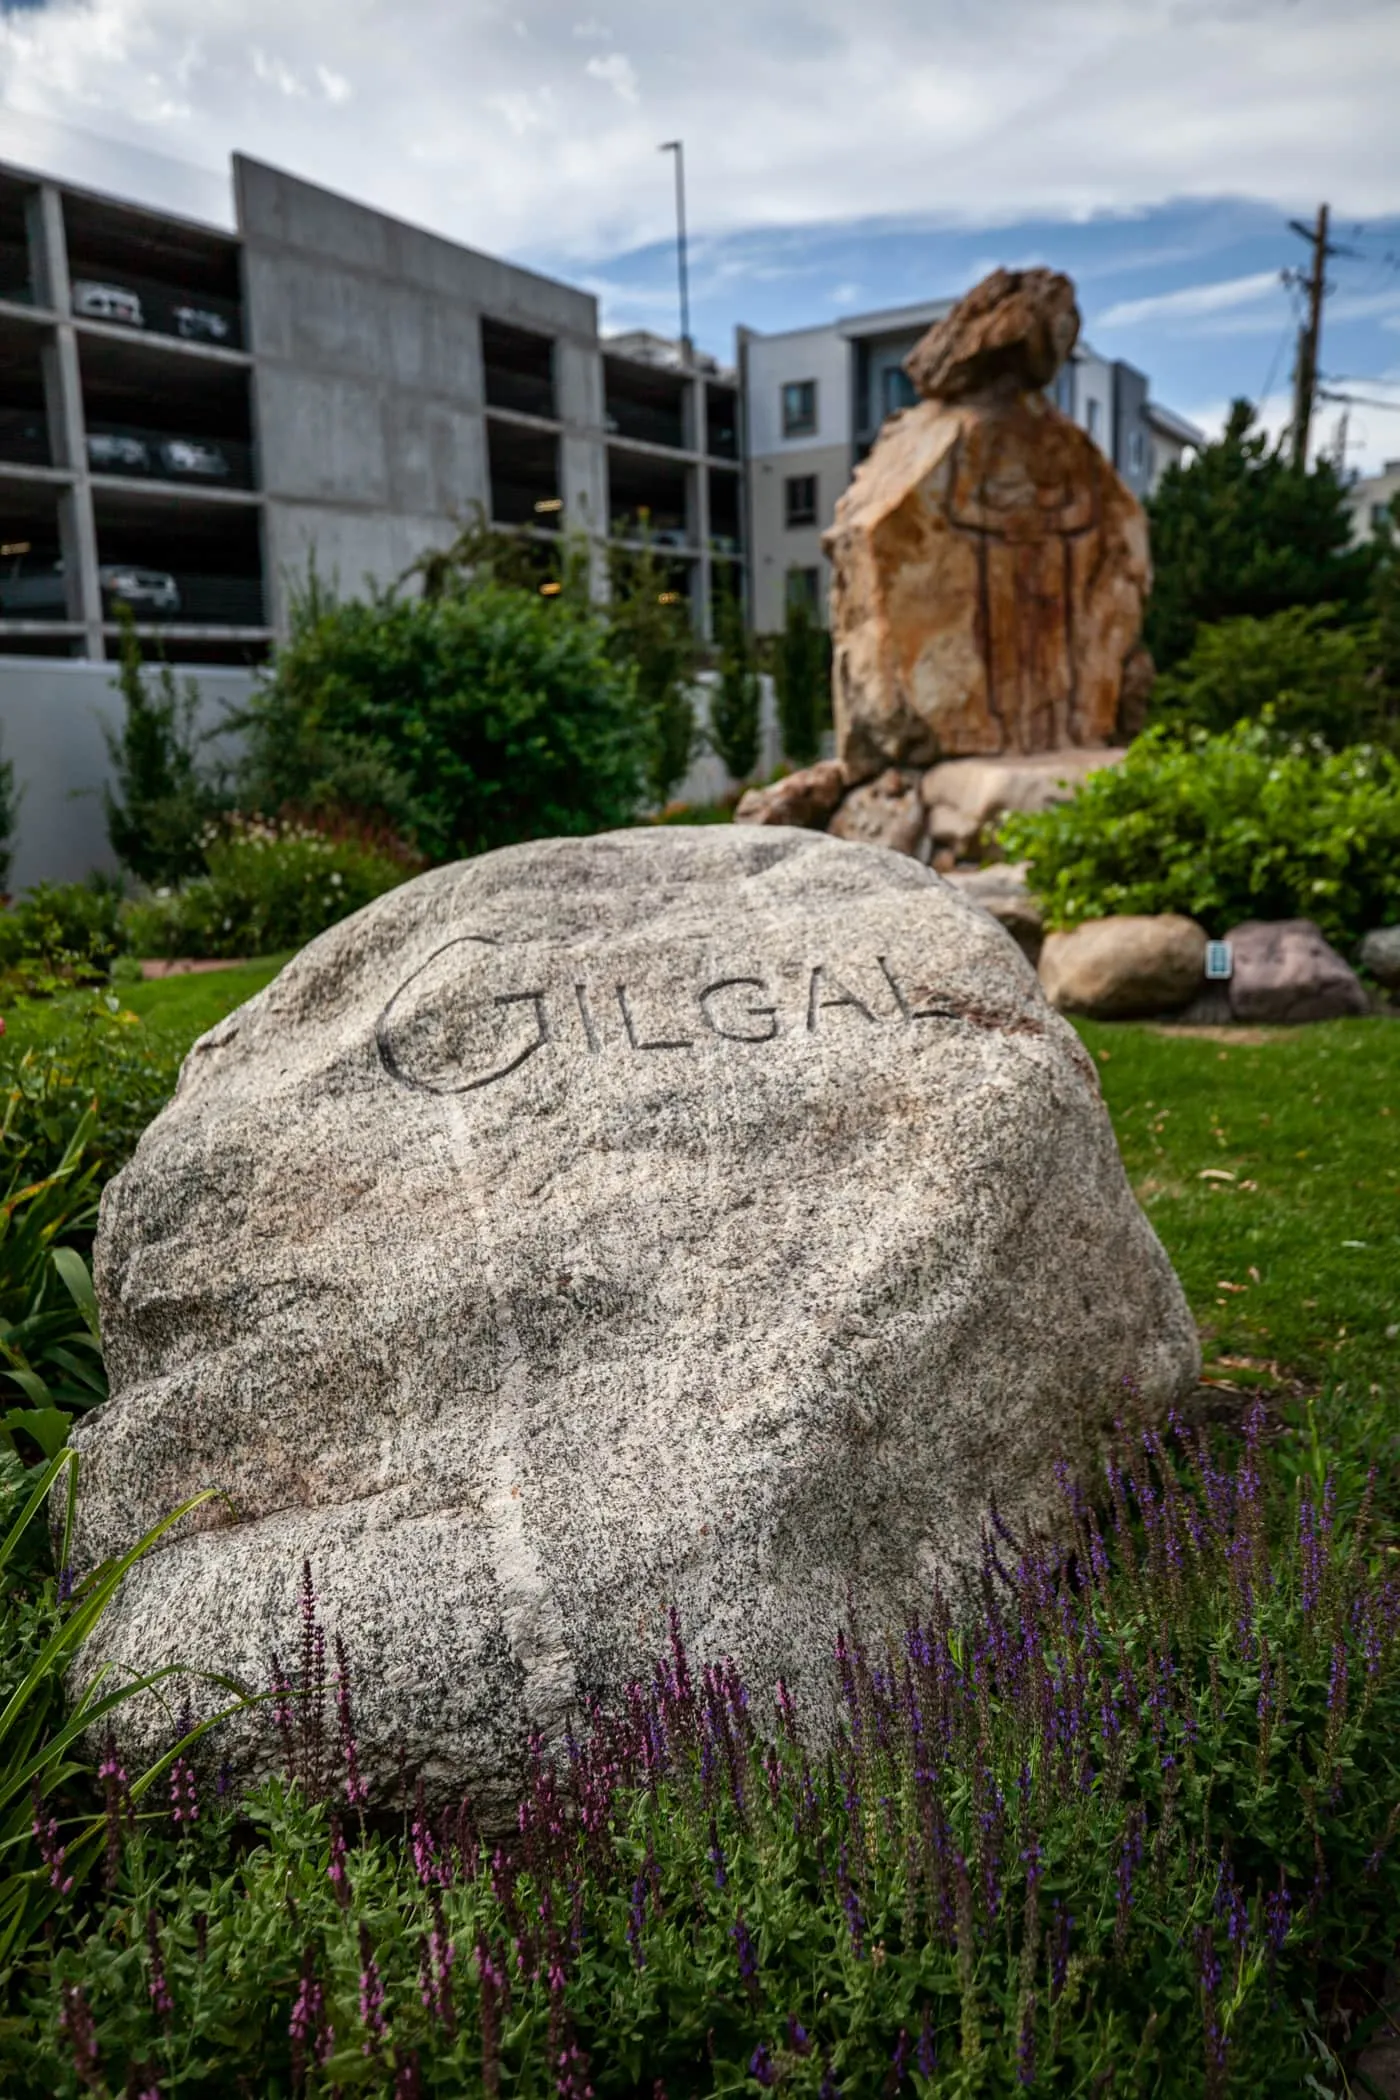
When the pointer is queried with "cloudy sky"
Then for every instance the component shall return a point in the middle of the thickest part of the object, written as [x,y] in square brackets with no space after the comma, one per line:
[841,154]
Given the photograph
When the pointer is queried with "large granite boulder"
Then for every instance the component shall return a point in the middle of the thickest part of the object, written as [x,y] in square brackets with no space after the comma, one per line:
[711,1216]
[988,565]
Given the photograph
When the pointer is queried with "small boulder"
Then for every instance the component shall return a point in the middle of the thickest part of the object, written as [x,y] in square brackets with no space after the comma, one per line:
[1113,969]
[1285,971]
[968,797]
[1380,954]
[1003,890]
[1012,331]
[886,811]
[805,798]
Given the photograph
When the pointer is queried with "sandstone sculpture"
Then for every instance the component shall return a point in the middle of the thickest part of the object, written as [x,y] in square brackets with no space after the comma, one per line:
[717,1217]
[988,565]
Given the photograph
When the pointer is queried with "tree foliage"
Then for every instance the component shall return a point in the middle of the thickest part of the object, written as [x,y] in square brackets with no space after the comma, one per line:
[651,639]
[464,721]
[1316,678]
[162,796]
[735,703]
[800,674]
[1240,532]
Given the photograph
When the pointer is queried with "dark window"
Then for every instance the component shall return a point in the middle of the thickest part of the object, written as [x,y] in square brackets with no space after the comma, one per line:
[802,587]
[800,499]
[800,408]
[1091,419]
[898,390]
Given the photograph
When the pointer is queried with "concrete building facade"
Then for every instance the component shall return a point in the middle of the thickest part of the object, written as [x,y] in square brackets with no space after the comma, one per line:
[814,403]
[188,417]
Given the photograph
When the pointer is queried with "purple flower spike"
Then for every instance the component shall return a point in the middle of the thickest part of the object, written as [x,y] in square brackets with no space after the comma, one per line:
[762,2068]
[748,1955]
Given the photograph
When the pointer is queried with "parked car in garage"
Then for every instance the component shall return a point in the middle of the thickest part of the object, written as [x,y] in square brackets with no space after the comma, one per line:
[144,590]
[111,453]
[194,456]
[32,590]
[107,302]
[200,324]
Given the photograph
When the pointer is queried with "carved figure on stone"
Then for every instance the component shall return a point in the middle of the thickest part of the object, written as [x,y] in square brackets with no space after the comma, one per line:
[989,567]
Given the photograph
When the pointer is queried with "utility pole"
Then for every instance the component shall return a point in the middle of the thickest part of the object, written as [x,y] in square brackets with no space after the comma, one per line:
[1310,334]
[677,146]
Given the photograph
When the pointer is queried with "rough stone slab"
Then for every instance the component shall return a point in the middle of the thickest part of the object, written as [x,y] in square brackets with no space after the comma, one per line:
[716,1216]
[1285,971]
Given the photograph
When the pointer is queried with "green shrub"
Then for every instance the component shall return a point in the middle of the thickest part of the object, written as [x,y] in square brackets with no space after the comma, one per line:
[1314,677]
[735,701]
[99,1054]
[651,640]
[267,886]
[464,721]
[60,933]
[163,796]
[802,676]
[1224,828]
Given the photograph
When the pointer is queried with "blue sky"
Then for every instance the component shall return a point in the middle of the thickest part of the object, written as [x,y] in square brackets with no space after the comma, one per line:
[839,157]
[1190,292]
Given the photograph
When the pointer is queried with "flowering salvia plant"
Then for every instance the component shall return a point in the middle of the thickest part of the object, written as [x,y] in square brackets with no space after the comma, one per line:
[1129,1826]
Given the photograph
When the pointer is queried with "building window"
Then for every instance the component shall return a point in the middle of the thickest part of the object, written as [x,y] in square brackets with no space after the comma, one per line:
[1380,516]
[898,390]
[800,408]
[802,588]
[800,499]
[1134,451]
[1092,419]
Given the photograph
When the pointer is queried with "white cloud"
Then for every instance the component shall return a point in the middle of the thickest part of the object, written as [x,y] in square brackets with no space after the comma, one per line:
[277,73]
[791,116]
[617,71]
[1193,301]
[1372,431]
[334,86]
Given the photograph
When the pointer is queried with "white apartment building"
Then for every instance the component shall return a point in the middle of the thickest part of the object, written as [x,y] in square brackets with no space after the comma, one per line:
[1369,499]
[815,399]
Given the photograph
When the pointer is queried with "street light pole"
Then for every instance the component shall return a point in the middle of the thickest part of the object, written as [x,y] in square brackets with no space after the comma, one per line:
[677,147]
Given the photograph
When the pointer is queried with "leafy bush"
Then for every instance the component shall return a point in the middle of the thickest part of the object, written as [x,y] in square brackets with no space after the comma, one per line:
[164,797]
[59,933]
[1224,828]
[100,1056]
[465,721]
[735,701]
[802,676]
[1239,531]
[267,886]
[1314,678]
[650,639]
[1137,1821]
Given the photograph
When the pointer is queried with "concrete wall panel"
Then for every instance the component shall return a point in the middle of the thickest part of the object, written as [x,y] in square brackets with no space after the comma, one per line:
[321,437]
[51,718]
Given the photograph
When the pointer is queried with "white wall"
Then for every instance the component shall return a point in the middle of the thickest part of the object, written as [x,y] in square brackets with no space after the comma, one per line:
[802,353]
[51,715]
